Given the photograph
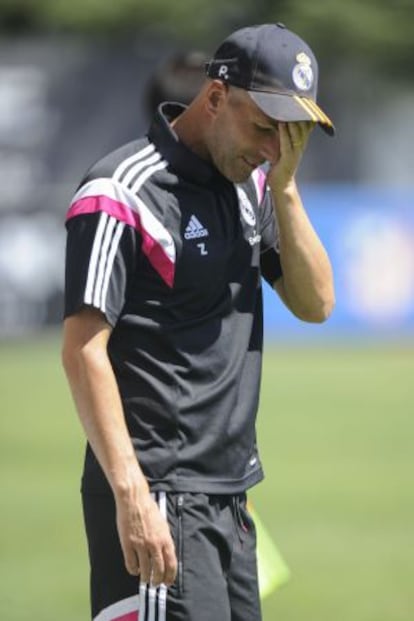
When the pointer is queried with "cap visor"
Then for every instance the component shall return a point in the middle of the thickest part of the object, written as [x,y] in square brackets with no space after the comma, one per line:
[286,107]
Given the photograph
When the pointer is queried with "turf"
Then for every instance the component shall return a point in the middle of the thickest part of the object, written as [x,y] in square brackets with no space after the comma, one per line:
[335,429]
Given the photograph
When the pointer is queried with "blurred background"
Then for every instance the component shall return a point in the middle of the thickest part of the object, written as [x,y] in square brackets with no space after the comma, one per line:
[80,78]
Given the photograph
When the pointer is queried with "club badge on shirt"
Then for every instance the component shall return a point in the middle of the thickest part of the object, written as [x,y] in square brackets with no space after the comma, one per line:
[246,208]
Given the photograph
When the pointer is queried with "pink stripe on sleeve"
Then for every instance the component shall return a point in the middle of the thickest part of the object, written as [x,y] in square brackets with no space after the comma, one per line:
[93,204]
[130,616]
[152,249]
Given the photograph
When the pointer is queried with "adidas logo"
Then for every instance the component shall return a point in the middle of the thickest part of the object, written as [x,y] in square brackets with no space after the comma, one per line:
[195,229]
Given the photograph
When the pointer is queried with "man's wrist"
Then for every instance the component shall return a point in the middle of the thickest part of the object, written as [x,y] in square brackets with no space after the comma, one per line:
[131,483]
[285,193]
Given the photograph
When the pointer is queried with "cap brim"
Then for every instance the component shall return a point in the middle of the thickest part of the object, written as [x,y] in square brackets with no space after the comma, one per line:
[287,107]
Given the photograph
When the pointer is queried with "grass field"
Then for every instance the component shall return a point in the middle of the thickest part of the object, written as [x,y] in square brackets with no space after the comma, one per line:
[336,431]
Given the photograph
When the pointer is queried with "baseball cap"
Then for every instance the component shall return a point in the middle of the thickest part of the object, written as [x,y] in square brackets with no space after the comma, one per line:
[278,70]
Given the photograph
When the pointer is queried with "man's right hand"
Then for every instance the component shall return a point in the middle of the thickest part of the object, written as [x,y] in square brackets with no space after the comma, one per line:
[145,538]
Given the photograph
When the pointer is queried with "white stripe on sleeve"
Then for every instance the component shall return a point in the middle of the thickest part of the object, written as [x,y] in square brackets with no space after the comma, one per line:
[136,169]
[146,174]
[117,192]
[111,257]
[102,262]
[94,258]
[130,160]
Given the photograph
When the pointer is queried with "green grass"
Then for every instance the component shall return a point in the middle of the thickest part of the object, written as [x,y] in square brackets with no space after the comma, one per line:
[43,568]
[336,433]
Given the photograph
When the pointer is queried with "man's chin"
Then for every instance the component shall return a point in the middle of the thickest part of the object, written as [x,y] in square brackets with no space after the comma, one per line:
[239,176]
[236,174]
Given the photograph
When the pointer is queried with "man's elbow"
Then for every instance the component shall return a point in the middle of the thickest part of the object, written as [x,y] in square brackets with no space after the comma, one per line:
[72,357]
[318,313]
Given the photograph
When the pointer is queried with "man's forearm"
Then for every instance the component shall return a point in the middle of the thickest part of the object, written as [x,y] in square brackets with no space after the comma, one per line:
[307,282]
[99,407]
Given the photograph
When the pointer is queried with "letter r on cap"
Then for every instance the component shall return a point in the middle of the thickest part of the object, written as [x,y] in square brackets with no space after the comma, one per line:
[223,71]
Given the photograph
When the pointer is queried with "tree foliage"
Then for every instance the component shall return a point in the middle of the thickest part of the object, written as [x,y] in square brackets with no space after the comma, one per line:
[376,32]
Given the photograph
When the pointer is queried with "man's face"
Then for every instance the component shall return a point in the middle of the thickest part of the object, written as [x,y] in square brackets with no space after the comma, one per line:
[242,137]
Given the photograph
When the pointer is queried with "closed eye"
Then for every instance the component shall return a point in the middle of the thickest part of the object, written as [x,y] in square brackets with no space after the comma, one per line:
[268,129]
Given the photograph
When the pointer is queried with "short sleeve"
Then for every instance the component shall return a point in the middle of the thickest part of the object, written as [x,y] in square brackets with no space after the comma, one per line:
[100,258]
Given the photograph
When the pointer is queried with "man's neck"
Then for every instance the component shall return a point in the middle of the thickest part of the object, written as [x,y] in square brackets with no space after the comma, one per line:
[189,128]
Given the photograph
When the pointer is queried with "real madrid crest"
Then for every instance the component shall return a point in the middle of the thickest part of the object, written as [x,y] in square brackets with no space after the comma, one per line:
[246,208]
[302,73]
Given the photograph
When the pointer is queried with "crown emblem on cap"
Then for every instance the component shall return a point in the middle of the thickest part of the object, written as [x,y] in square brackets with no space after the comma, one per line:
[303,58]
[302,73]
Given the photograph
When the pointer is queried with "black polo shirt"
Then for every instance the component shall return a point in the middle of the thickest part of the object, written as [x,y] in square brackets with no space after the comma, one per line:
[172,253]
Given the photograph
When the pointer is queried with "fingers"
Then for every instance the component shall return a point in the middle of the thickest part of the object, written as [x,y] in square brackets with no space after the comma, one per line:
[158,566]
[147,545]
[293,137]
[170,567]
[157,569]
[299,133]
[144,565]
[131,562]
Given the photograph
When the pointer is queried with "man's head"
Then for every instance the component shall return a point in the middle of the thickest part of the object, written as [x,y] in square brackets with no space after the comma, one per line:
[239,136]
[277,69]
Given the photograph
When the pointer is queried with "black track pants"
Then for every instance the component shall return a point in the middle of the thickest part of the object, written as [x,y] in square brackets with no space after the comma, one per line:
[215,544]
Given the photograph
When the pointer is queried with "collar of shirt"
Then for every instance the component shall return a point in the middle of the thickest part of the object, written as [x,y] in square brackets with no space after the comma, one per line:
[184,161]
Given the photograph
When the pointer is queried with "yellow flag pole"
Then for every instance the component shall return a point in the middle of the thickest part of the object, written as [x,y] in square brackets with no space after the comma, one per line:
[272,568]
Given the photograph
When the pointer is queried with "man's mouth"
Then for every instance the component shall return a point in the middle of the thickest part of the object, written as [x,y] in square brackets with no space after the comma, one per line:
[252,165]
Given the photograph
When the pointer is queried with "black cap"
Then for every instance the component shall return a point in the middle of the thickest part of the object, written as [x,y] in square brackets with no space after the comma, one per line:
[278,70]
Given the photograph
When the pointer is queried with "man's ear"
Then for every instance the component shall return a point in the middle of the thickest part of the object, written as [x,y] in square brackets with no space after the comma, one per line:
[216,96]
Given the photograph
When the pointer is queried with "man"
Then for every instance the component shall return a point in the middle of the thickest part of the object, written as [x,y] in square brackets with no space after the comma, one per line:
[168,237]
